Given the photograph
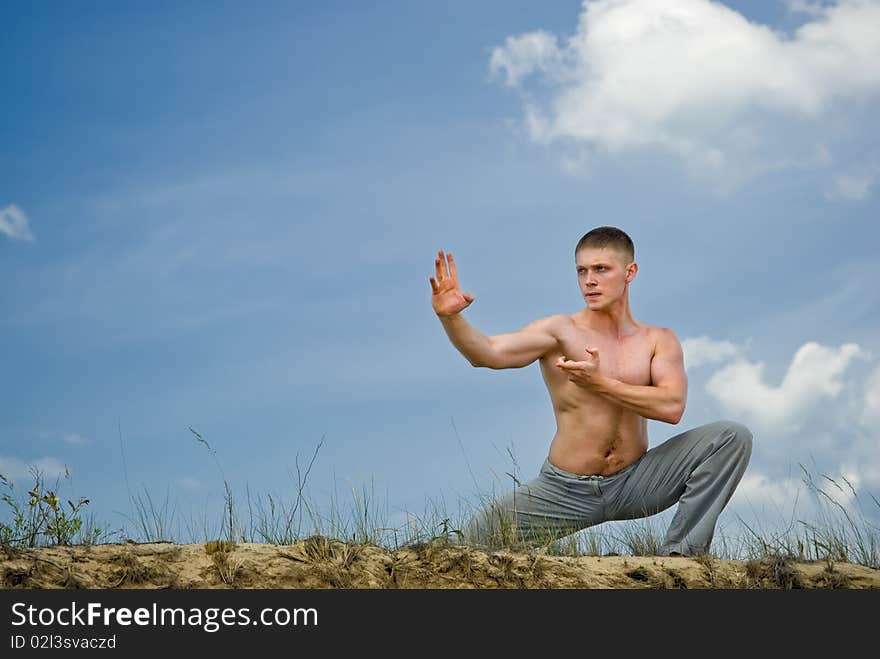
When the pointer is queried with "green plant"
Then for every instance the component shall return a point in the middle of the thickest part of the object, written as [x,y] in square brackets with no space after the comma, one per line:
[446,532]
[61,526]
[43,515]
[153,520]
[17,531]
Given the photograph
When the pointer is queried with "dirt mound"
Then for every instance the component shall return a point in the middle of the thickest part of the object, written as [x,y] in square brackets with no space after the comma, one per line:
[320,562]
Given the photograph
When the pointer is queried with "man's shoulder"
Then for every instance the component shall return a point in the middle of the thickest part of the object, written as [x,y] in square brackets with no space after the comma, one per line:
[553,320]
[556,323]
[561,318]
[664,339]
[660,332]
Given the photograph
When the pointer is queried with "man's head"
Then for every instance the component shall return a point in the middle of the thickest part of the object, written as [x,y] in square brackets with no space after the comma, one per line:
[605,261]
[610,237]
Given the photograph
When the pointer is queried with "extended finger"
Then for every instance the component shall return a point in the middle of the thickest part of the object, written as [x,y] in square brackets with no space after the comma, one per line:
[439,265]
[434,287]
[452,272]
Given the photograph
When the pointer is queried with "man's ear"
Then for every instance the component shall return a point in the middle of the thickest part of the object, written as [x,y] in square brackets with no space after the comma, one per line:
[631,271]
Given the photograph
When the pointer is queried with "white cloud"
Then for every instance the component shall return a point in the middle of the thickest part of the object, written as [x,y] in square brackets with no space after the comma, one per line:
[74,440]
[523,55]
[14,223]
[814,9]
[855,185]
[871,412]
[823,415]
[814,374]
[758,491]
[866,472]
[702,350]
[18,470]
[696,78]
[809,497]
[189,483]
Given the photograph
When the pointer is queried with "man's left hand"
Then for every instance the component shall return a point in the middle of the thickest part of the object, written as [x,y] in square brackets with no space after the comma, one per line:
[584,373]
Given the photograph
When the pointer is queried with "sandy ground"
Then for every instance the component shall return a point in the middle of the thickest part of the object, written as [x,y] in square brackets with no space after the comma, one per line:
[323,563]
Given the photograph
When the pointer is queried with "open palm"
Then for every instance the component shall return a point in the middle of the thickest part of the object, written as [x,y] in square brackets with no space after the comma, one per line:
[446,295]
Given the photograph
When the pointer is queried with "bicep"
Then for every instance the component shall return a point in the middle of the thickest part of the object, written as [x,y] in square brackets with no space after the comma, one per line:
[518,349]
[667,365]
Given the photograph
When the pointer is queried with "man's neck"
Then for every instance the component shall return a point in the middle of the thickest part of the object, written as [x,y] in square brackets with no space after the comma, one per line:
[615,322]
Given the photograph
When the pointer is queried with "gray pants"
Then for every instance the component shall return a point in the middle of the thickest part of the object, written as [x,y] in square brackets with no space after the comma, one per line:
[699,469]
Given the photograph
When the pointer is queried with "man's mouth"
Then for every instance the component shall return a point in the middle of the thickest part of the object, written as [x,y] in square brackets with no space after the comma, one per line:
[593,294]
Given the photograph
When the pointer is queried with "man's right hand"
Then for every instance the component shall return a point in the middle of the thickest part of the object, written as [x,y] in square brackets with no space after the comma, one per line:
[446,296]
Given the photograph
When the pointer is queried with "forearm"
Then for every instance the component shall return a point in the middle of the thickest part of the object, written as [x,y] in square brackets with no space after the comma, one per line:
[649,401]
[467,339]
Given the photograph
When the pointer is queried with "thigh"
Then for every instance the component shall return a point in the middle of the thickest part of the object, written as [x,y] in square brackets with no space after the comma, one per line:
[659,479]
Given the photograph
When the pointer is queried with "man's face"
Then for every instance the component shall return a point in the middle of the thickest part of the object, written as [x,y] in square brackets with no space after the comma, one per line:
[602,275]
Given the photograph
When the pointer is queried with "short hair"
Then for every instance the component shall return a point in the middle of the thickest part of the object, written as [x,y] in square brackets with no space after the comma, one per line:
[608,237]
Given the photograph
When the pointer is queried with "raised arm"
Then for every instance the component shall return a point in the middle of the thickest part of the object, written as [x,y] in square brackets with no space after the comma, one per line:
[512,350]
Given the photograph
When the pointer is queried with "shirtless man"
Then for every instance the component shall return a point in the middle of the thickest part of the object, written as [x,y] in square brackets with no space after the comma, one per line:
[607,374]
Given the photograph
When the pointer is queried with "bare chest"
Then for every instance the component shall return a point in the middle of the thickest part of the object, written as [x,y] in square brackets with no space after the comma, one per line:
[627,359]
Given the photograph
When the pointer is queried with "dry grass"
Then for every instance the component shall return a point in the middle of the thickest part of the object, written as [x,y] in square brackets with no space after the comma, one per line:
[339,542]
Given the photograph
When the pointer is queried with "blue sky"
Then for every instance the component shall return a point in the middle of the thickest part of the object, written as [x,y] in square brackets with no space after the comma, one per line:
[224,217]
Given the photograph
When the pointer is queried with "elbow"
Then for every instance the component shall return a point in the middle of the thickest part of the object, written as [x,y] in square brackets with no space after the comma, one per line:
[673,419]
[477,362]
[674,414]
[483,356]
[483,361]
[496,362]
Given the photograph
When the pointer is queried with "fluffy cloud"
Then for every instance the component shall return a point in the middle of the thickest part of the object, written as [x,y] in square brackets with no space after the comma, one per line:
[14,223]
[521,56]
[806,496]
[758,491]
[813,375]
[702,350]
[796,423]
[694,77]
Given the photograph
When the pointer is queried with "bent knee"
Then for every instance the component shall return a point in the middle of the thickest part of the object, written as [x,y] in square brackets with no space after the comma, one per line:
[738,433]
